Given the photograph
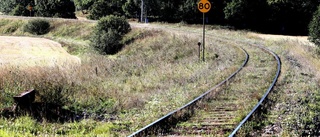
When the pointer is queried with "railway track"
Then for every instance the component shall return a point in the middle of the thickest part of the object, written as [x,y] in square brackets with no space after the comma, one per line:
[218,114]
[165,123]
[215,112]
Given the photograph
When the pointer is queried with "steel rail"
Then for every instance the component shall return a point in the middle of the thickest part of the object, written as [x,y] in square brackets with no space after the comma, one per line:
[246,119]
[268,90]
[147,130]
[253,110]
[144,131]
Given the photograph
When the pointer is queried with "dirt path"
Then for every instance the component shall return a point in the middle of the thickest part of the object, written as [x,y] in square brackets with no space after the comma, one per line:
[29,52]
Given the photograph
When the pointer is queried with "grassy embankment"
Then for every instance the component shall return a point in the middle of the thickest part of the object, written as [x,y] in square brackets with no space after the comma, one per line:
[295,99]
[240,96]
[293,106]
[295,102]
[156,73]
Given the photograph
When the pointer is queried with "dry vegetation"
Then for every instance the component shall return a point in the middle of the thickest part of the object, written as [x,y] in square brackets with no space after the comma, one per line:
[153,75]
[29,52]
[293,105]
[294,111]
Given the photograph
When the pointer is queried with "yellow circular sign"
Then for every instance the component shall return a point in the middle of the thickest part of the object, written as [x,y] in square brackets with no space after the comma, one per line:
[204,6]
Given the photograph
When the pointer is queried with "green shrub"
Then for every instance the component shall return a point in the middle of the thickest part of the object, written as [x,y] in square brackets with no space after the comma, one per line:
[37,27]
[314,28]
[119,24]
[108,34]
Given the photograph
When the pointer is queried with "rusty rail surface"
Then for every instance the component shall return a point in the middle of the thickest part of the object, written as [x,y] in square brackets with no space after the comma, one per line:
[162,123]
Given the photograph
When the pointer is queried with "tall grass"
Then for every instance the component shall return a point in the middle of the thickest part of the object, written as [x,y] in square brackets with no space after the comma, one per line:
[10,27]
[292,106]
[155,73]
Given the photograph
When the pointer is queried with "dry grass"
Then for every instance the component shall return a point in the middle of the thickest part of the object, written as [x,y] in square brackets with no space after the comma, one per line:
[30,52]
[137,85]
[293,111]
[294,101]
[132,86]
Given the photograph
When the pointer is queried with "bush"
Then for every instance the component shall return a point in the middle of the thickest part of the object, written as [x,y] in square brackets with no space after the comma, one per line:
[119,24]
[314,28]
[108,34]
[37,27]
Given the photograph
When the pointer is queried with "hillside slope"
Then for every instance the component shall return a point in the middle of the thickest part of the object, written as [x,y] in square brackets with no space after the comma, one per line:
[26,51]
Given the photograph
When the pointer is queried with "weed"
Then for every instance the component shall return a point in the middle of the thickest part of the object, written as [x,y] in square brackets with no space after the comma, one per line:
[11,27]
[155,73]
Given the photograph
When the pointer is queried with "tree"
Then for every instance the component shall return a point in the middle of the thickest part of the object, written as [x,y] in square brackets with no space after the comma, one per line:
[168,10]
[6,6]
[55,8]
[188,11]
[131,8]
[19,10]
[103,8]
[83,4]
[291,16]
[246,13]
[314,28]
[216,14]
[15,7]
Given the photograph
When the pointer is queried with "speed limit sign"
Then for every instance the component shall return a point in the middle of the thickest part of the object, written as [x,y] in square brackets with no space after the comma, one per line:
[204,6]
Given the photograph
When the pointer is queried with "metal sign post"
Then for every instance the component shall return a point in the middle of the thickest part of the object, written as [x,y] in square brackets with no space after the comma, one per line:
[203,37]
[204,6]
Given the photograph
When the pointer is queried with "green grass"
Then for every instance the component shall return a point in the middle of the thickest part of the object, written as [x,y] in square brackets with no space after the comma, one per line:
[26,127]
[292,104]
[298,90]
[9,27]
[138,85]
[155,73]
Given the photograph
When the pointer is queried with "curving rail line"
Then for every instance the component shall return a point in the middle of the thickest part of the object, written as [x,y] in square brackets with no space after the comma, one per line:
[247,118]
[162,123]
[262,100]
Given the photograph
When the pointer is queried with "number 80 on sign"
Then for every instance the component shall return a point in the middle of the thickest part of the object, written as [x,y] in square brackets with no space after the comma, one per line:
[204,6]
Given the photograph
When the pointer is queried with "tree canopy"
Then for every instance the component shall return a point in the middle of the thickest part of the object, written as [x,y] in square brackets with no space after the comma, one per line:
[270,16]
[314,28]
[55,8]
[44,8]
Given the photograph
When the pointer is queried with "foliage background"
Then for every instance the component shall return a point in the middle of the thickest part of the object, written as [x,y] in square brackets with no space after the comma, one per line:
[268,16]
